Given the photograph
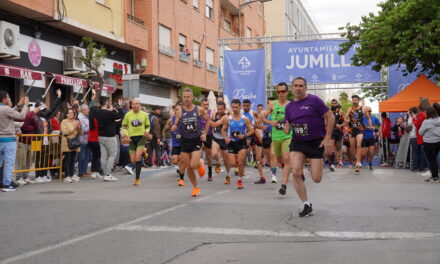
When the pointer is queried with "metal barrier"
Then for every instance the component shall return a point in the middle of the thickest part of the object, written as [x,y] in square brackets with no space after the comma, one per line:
[402,152]
[38,152]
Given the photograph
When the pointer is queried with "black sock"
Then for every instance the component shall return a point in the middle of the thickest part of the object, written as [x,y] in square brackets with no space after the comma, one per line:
[181,175]
[138,169]
[210,171]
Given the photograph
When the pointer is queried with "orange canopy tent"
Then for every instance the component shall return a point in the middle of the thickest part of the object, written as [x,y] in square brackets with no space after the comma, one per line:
[410,96]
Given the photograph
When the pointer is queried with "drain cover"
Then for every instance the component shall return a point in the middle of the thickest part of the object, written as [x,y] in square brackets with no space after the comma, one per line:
[57,192]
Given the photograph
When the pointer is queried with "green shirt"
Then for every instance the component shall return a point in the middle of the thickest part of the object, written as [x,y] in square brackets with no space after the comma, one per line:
[136,124]
[278,113]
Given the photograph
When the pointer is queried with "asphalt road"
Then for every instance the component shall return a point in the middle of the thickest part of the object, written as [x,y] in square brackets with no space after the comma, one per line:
[379,216]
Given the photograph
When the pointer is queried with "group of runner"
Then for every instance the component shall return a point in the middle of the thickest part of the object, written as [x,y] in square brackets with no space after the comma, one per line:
[287,134]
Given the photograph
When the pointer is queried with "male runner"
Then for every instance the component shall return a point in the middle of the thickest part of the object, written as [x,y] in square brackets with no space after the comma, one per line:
[190,143]
[280,139]
[337,134]
[175,144]
[235,130]
[267,134]
[207,138]
[311,133]
[355,118]
[256,138]
[262,148]
[369,140]
[136,125]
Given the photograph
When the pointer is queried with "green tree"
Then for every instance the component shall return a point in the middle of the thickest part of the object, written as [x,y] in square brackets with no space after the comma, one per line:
[197,92]
[344,101]
[93,59]
[404,32]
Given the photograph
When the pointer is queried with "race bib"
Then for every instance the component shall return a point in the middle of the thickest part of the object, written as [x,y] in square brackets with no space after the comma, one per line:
[355,125]
[178,135]
[269,134]
[301,130]
[216,129]
[136,123]
[190,126]
[280,125]
[235,134]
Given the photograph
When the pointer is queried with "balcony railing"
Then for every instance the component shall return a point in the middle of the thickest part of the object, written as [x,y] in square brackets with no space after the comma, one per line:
[211,68]
[135,19]
[198,63]
[167,51]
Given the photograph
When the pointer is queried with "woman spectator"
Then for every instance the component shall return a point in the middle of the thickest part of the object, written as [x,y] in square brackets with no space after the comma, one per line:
[417,161]
[430,130]
[417,121]
[70,128]
[55,141]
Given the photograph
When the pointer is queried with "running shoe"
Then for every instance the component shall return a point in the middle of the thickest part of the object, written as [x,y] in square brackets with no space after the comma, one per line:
[68,180]
[274,179]
[306,211]
[332,168]
[227,180]
[282,190]
[9,188]
[239,184]
[261,181]
[340,164]
[201,171]
[180,182]
[137,182]
[217,168]
[357,169]
[129,170]
[210,178]
[426,173]
[196,192]
[431,179]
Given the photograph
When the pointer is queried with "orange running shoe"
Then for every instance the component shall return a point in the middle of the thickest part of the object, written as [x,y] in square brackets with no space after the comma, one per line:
[196,191]
[227,180]
[201,170]
[217,168]
[239,184]
[137,182]
[181,182]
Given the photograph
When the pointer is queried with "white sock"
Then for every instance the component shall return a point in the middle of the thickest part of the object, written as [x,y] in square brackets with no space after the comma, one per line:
[307,203]
[240,178]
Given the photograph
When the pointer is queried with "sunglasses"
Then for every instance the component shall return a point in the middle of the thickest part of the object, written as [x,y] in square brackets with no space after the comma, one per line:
[281,92]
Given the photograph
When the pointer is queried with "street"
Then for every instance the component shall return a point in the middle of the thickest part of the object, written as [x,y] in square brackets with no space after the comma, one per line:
[380,216]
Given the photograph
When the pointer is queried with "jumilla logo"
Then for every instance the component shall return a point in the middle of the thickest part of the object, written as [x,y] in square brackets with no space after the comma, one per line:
[244,62]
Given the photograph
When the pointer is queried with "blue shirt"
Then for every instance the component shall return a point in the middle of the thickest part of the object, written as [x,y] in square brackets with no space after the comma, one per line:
[369,133]
[236,127]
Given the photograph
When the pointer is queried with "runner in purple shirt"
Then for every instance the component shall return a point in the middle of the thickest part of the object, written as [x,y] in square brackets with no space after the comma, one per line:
[312,123]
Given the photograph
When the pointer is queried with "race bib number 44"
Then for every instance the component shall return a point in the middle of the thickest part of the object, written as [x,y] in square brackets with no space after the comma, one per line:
[190,127]
[301,130]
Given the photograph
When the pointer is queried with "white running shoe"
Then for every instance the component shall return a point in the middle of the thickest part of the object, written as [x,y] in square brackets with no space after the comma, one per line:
[39,180]
[75,178]
[274,179]
[21,182]
[28,180]
[426,174]
[129,170]
[110,178]
[47,178]
[68,180]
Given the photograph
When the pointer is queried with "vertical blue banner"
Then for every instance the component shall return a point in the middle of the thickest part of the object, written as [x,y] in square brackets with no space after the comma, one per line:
[319,62]
[244,76]
[397,81]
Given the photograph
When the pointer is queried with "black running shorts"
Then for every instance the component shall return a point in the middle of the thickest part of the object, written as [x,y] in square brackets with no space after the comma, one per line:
[309,148]
[337,135]
[190,145]
[175,151]
[208,143]
[235,146]
[368,142]
[267,141]
[221,143]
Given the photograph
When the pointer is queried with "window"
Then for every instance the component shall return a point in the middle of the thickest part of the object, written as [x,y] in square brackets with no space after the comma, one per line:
[208,9]
[196,4]
[164,36]
[196,50]
[227,25]
[182,42]
[260,9]
[248,32]
[209,56]
[102,2]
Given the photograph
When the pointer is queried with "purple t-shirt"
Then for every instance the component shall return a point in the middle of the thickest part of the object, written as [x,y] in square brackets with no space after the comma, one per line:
[306,118]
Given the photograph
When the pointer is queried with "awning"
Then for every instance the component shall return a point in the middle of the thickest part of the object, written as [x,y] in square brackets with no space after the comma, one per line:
[20,72]
[106,87]
[67,80]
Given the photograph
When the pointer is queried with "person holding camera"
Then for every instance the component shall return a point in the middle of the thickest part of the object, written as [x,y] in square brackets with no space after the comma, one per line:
[337,134]
[70,129]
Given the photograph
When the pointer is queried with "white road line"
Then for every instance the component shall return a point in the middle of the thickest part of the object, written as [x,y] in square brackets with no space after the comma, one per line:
[97,233]
[280,234]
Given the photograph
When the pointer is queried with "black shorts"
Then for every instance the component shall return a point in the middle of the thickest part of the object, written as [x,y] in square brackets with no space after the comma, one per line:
[175,151]
[346,143]
[188,145]
[221,143]
[267,141]
[355,132]
[255,141]
[368,142]
[136,143]
[309,148]
[235,146]
[337,135]
[208,143]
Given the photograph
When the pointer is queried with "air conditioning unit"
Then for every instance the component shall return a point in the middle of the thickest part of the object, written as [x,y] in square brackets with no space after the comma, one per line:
[9,40]
[72,61]
[99,63]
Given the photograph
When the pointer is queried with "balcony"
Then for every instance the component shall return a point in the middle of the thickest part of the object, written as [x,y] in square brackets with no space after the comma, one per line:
[135,20]
[165,50]
[211,67]
[136,34]
[231,6]
[185,57]
[198,63]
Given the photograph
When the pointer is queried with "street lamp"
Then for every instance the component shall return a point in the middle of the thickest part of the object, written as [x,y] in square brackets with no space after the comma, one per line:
[240,5]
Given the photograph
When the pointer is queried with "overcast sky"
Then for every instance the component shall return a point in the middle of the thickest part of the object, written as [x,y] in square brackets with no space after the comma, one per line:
[331,14]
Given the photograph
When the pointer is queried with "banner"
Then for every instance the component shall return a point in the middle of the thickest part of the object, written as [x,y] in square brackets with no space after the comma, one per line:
[397,81]
[244,76]
[318,62]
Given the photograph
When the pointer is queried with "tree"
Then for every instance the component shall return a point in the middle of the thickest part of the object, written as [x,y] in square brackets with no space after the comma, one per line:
[344,101]
[197,92]
[404,32]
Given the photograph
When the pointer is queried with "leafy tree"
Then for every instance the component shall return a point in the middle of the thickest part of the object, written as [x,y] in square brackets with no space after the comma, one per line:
[344,101]
[404,32]
[197,92]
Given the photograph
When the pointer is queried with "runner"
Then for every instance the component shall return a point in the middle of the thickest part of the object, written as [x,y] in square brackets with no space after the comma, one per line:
[267,135]
[312,123]
[262,148]
[136,125]
[219,146]
[252,140]
[175,144]
[190,143]
[280,139]
[355,118]
[369,140]
[207,138]
[337,134]
[235,130]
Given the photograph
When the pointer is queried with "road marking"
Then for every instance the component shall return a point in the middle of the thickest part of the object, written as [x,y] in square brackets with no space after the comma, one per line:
[100,232]
[281,234]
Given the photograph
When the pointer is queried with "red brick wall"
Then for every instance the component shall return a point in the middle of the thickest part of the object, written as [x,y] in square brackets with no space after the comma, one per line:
[44,7]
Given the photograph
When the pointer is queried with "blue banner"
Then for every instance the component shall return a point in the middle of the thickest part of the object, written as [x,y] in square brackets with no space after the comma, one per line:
[244,76]
[397,81]
[318,62]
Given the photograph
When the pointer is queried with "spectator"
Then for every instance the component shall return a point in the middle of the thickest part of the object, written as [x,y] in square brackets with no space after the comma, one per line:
[418,121]
[70,128]
[7,136]
[108,143]
[93,142]
[84,153]
[399,129]
[386,134]
[430,130]
[155,131]
[55,154]
[418,160]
